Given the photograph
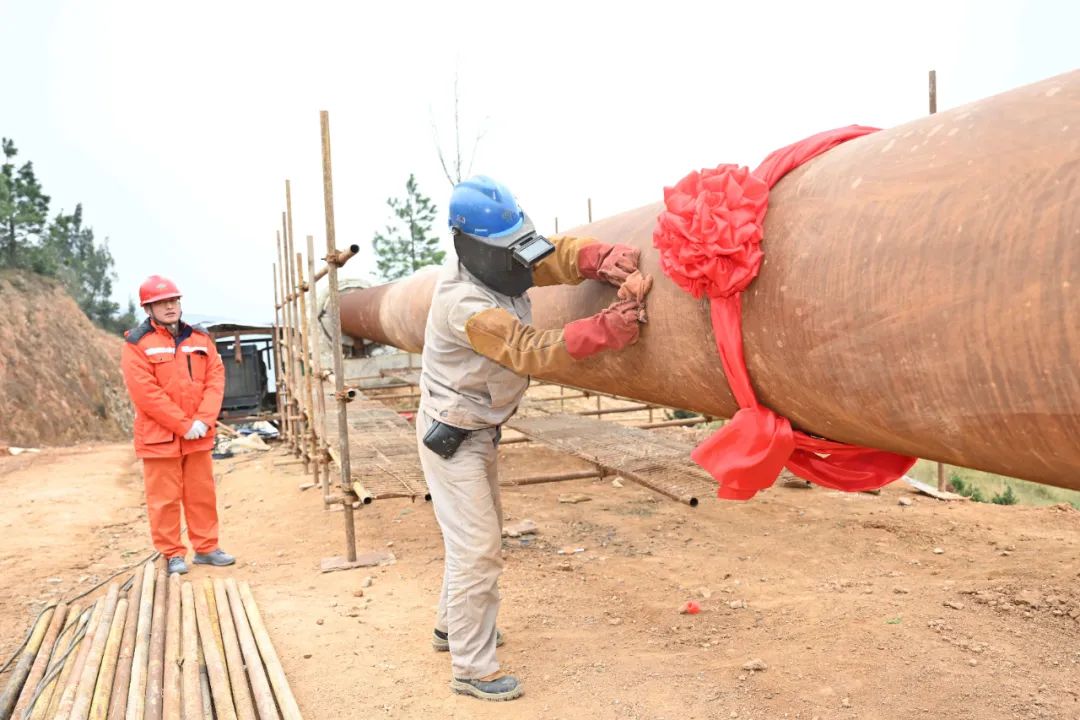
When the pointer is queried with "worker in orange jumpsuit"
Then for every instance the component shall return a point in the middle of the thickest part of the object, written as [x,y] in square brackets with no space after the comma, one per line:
[177,382]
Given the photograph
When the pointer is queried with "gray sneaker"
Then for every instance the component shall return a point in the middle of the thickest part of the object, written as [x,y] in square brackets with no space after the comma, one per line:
[177,565]
[441,642]
[505,688]
[217,558]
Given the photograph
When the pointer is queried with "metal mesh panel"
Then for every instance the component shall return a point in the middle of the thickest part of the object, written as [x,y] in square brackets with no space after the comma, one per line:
[659,462]
[383,452]
[382,449]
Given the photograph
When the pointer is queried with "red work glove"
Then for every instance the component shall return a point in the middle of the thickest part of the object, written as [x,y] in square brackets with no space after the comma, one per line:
[613,328]
[610,263]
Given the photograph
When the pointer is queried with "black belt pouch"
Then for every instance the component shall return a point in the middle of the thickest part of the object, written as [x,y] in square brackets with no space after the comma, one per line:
[444,440]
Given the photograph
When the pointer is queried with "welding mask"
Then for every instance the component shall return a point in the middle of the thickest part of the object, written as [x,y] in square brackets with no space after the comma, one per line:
[493,237]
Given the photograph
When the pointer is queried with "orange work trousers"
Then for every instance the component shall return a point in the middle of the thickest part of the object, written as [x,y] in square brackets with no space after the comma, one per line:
[188,481]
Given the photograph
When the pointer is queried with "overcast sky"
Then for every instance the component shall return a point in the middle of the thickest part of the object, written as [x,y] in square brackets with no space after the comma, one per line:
[176,124]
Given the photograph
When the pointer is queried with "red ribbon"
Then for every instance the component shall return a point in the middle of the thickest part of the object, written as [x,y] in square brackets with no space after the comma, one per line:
[709,237]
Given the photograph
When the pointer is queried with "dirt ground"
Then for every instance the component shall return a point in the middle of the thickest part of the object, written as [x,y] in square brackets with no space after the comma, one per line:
[845,598]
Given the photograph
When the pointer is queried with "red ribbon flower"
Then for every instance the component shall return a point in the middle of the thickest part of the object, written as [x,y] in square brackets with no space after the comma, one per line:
[709,237]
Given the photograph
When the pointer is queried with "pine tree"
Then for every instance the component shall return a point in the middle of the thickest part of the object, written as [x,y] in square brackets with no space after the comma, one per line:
[68,251]
[129,319]
[408,242]
[23,209]
[64,248]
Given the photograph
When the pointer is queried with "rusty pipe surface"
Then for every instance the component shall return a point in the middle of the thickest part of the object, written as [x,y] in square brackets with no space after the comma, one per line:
[919,295]
[392,314]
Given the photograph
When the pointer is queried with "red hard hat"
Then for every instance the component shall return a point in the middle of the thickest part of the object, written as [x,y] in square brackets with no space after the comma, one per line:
[156,288]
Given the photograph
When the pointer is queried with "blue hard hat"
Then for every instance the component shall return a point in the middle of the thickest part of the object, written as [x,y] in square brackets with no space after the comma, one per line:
[485,208]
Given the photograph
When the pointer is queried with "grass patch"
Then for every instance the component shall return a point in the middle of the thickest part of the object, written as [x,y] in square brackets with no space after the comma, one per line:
[999,489]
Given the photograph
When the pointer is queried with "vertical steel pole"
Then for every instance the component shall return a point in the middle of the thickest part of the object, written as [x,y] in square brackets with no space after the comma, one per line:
[335,330]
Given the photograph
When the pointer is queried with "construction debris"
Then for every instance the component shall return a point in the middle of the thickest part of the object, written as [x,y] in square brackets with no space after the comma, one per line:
[246,444]
[690,607]
[20,451]
[932,491]
[368,559]
[519,528]
[573,498]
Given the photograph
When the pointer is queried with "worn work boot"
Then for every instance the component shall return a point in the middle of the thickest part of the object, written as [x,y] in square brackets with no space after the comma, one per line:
[441,642]
[177,565]
[217,558]
[506,687]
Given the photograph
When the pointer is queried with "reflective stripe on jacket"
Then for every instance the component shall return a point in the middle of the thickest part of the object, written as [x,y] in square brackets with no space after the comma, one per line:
[172,383]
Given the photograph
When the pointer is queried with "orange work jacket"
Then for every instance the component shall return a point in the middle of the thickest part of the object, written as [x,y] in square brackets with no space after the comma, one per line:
[173,381]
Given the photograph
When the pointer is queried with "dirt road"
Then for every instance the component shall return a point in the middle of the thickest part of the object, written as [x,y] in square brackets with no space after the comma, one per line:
[845,599]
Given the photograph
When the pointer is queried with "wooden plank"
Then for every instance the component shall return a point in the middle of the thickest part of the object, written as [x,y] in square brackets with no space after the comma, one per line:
[932,491]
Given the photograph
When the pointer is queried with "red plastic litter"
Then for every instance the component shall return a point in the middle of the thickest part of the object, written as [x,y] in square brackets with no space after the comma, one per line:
[690,607]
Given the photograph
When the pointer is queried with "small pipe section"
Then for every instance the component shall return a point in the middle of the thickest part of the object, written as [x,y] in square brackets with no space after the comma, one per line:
[47,702]
[285,700]
[99,706]
[156,660]
[260,686]
[190,692]
[25,664]
[41,660]
[170,690]
[215,662]
[234,660]
[136,690]
[67,697]
[84,695]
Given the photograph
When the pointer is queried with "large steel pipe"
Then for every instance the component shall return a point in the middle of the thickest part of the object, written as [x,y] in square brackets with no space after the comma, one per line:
[919,295]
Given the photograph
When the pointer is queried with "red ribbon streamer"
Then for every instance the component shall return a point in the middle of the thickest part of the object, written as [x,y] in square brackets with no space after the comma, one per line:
[709,237]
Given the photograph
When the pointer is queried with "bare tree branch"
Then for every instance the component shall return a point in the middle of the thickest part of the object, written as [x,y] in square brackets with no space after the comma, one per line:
[457,131]
[438,147]
[454,166]
[472,156]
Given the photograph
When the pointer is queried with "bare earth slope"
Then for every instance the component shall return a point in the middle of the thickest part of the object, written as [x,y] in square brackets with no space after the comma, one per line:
[60,380]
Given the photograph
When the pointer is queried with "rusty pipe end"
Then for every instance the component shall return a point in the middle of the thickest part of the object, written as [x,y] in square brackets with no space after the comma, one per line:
[343,256]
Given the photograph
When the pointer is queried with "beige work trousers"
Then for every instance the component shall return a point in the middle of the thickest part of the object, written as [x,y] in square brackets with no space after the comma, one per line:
[465,494]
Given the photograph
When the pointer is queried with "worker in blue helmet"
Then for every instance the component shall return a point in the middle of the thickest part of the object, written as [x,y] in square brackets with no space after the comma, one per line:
[479,351]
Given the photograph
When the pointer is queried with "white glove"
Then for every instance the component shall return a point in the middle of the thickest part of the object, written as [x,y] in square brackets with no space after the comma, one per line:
[197,430]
